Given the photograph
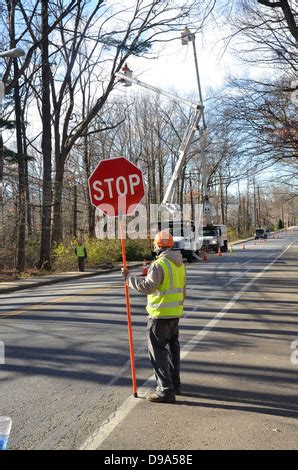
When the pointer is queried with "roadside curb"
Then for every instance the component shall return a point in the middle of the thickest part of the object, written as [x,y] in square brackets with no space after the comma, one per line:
[6,290]
[238,242]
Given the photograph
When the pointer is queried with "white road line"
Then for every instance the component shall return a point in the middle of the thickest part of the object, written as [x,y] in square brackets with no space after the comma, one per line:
[231,280]
[235,278]
[108,426]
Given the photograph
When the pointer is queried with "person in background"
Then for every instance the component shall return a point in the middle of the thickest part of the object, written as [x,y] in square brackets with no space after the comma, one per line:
[81,252]
[165,287]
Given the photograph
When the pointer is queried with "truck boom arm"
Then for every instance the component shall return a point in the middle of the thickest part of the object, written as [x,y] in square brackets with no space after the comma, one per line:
[186,142]
[158,90]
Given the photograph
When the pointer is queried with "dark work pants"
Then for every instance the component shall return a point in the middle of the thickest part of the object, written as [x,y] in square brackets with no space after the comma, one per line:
[81,261]
[164,353]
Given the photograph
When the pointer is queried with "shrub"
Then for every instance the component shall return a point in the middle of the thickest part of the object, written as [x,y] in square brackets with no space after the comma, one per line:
[32,251]
[138,250]
[100,253]
[232,234]
[64,258]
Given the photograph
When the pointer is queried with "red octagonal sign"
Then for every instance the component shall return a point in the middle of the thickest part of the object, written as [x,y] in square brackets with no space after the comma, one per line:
[116,187]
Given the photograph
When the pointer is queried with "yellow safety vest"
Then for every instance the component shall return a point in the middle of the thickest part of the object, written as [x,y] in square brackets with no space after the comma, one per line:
[167,301]
[80,251]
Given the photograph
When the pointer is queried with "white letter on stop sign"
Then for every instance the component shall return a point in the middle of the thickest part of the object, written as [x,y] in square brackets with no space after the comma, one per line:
[134,180]
[96,187]
[109,181]
[118,180]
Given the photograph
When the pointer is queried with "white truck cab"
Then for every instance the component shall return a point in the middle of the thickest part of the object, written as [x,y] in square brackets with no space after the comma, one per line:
[215,237]
[183,235]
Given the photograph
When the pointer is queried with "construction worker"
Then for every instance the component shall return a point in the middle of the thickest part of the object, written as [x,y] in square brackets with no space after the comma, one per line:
[81,252]
[164,286]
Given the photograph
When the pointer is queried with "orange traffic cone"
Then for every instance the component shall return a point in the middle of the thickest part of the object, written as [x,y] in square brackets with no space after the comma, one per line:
[144,268]
[219,253]
[205,257]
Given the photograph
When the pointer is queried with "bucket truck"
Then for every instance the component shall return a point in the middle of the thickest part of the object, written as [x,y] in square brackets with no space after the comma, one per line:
[186,242]
[215,235]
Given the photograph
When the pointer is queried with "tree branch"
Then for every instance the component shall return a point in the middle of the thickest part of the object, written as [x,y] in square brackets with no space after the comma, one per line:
[269,4]
[288,15]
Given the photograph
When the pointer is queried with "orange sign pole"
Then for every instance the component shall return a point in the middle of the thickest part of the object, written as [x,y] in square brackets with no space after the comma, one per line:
[130,338]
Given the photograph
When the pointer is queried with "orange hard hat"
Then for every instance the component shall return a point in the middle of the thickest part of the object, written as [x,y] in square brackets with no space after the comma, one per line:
[164,239]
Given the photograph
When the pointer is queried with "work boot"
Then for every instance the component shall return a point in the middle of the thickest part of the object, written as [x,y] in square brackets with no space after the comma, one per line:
[157,398]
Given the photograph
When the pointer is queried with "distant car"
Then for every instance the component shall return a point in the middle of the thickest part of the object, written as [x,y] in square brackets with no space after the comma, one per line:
[268,233]
[260,233]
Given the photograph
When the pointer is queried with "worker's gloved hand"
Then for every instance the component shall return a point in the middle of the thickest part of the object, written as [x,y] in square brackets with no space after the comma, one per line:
[124,272]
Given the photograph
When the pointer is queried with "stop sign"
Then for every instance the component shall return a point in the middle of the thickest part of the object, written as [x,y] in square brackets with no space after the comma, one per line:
[116,186]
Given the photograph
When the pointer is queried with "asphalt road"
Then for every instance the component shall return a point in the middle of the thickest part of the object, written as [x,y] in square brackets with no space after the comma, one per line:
[66,381]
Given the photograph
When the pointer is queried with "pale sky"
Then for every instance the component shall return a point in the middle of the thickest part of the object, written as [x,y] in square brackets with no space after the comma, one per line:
[172,64]
[174,67]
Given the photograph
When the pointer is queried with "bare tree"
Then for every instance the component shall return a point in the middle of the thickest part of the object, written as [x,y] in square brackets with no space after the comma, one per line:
[289,15]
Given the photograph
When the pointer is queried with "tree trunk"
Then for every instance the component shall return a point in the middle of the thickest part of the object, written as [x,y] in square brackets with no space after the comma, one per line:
[180,200]
[255,203]
[191,199]
[22,184]
[239,212]
[21,197]
[46,144]
[1,197]
[75,212]
[91,208]
[91,220]
[222,202]
[153,180]
[21,161]
[247,215]
[57,214]
[28,203]
[160,174]
[226,203]
[259,208]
